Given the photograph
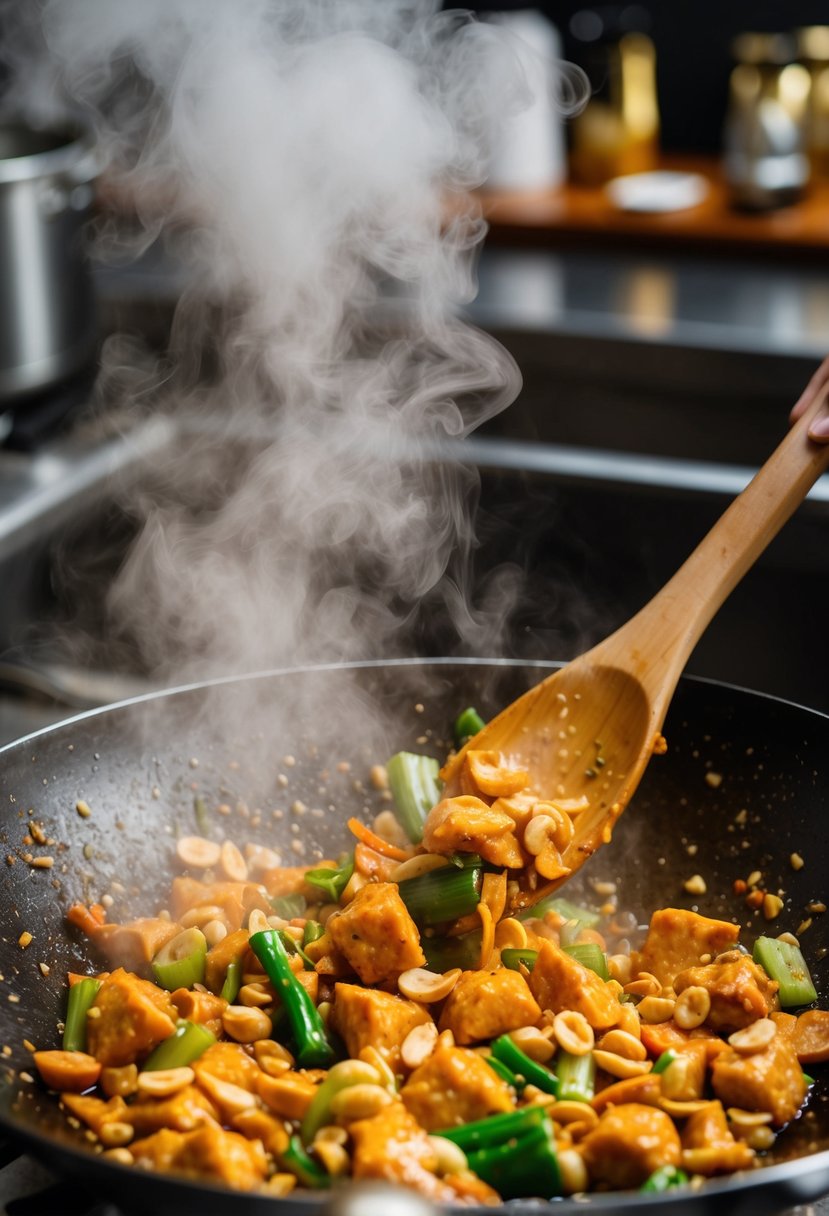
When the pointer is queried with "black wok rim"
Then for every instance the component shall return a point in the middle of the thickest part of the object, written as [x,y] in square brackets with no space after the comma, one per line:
[792,1182]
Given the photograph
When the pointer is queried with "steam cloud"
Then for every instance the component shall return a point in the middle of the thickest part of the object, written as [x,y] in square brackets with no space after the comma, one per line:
[309,159]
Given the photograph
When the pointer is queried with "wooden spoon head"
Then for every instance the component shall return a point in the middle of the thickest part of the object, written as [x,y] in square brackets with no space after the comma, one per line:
[584,736]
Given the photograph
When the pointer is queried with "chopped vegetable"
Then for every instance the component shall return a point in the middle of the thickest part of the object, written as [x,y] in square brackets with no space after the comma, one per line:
[444,895]
[81,996]
[181,962]
[313,1047]
[565,909]
[312,932]
[466,726]
[296,1161]
[340,1077]
[233,981]
[292,946]
[289,906]
[189,1042]
[415,788]
[590,955]
[332,882]
[783,962]
[446,953]
[520,1063]
[576,1077]
[515,957]
[506,1074]
[664,1179]
[667,1058]
[526,1166]
[484,1133]
[202,815]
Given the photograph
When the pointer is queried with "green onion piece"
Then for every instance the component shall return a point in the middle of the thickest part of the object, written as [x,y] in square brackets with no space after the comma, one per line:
[184,1046]
[466,726]
[665,1179]
[312,932]
[446,953]
[784,963]
[665,1060]
[289,906]
[180,963]
[520,1168]
[81,996]
[505,1050]
[496,1129]
[415,788]
[332,882]
[233,981]
[202,815]
[445,894]
[516,956]
[296,1161]
[809,1080]
[341,1076]
[591,956]
[293,947]
[307,1027]
[565,909]
[576,1077]
[506,1074]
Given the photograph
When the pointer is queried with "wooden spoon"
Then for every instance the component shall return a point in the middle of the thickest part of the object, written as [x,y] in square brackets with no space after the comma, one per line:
[586,733]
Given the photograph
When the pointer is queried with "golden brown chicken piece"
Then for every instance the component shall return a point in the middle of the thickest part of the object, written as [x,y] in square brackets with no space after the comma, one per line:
[484,1004]
[559,982]
[678,939]
[740,991]
[628,1143]
[708,1146]
[770,1080]
[452,1087]
[376,934]
[128,1017]
[207,1152]
[366,1017]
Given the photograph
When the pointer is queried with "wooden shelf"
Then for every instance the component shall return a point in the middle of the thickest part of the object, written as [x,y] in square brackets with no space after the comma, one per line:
[586,213]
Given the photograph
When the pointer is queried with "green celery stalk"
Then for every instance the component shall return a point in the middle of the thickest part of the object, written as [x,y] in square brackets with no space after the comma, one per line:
[591,956]
[495,1129]
[664,1179]
[466,726]
[520,1063]
[506,1074]
[184,1046]
[289,906]
[521,1168]
[180,963]
[784,963]
[576,1077]
[332,882]
[415,788]
[81,996]
[514,956]
[444,895]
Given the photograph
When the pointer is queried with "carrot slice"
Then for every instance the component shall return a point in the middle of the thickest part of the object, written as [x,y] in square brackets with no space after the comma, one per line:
[811,1036]
[376,842]
[88,920]
[372,864]
[73,1071]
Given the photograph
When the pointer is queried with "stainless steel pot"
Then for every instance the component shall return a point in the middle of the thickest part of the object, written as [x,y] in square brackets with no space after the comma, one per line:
[47,311]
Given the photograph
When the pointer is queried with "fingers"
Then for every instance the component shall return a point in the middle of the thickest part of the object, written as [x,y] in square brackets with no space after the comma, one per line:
[819,430]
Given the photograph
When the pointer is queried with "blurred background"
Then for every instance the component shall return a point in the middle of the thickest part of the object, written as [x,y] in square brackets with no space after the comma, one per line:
[658,266]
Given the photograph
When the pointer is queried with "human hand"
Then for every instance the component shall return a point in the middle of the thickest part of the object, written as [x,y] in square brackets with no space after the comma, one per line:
[819,429]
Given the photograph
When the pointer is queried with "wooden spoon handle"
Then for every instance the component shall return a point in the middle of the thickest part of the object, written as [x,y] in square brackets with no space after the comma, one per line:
[667,629]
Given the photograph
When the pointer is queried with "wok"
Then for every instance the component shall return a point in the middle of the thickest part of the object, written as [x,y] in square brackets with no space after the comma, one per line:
[139,763]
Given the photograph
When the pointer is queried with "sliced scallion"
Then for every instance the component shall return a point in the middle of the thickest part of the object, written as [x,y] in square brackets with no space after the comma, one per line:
[783,962]
[590,955]
[289,906]
[185,1045]
[664,1179]
[81,996]
[446,953]
[665,1060]
[442,895]
[564,908]
[576,1077]
[415,788]
[180,962]
[466,726]
[233,981]
[515,957]
[519,1062]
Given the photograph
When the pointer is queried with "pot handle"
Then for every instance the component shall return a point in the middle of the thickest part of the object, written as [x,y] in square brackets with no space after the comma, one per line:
[376,1199]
